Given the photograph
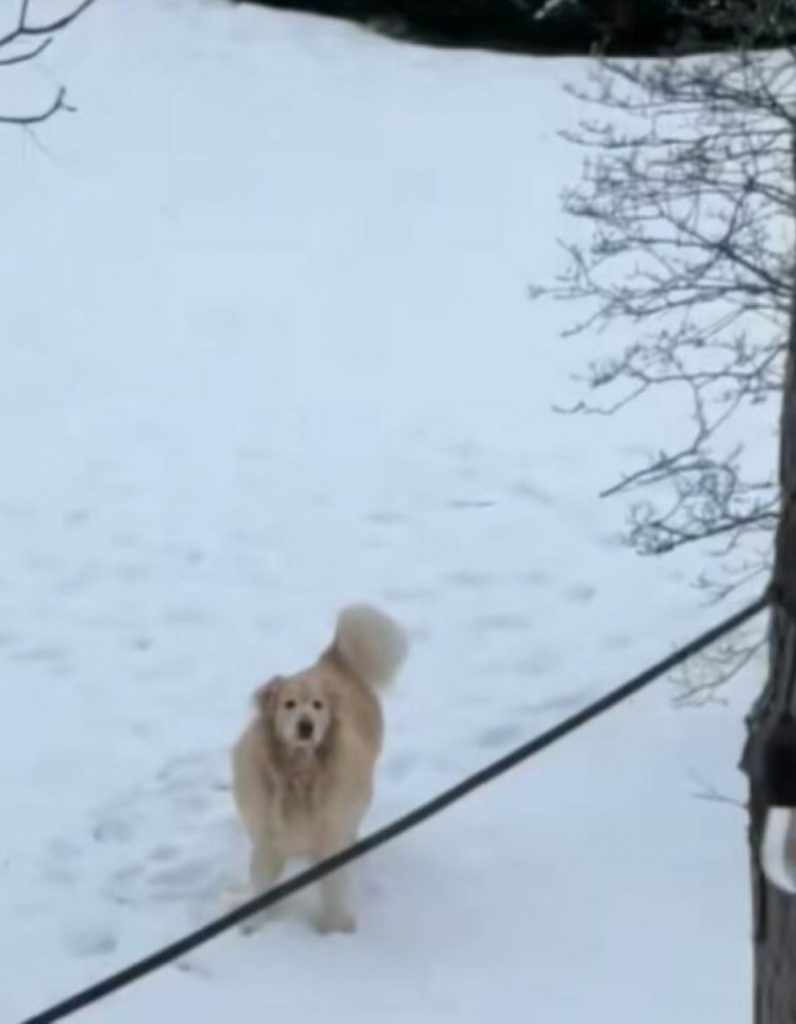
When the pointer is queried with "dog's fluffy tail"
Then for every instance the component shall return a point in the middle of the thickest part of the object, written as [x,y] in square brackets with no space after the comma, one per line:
[370,644]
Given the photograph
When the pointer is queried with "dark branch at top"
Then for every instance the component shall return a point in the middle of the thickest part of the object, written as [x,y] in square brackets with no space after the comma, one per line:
[618,27]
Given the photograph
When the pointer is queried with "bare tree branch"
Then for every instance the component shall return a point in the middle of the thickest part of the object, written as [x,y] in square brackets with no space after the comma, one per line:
[22,58]
[689,200]
[25,30]
[707,791]
[59,103]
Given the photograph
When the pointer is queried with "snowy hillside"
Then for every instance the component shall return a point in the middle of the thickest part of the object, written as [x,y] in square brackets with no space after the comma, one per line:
[266,348]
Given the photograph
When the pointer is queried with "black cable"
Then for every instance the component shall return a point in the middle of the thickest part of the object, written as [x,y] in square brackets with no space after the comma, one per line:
[167,954]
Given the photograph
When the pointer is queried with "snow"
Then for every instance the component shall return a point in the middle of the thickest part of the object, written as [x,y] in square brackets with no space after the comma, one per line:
[267,349]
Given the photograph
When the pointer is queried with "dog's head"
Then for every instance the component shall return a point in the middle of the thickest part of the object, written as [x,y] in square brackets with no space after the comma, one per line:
[299,709]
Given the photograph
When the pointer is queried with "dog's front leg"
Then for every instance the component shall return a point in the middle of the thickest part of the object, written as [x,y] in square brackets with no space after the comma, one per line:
[266,865]
[336,912]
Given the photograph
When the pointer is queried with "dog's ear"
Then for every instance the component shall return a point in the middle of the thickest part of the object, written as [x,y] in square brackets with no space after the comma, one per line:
[265,696]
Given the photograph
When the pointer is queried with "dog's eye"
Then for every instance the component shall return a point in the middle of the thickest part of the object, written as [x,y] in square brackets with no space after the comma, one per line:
[318,705]
[290,704]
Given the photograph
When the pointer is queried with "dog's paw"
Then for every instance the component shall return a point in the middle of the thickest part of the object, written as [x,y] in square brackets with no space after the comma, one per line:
[337,924]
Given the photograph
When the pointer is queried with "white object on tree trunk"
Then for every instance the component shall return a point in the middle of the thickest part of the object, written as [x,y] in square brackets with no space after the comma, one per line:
[778,849]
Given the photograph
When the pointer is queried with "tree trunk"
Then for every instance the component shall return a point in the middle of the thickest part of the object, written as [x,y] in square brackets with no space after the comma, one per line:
[774,911]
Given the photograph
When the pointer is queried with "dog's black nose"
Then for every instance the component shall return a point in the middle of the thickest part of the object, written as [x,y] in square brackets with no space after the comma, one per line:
[305,728]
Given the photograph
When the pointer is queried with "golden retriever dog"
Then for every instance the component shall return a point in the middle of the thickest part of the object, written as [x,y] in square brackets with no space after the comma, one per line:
[303,767]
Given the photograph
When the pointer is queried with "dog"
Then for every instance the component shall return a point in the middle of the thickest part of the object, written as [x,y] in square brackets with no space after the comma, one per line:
[303,768]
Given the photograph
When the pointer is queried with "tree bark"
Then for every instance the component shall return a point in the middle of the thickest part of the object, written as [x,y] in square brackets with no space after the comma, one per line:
[774,911]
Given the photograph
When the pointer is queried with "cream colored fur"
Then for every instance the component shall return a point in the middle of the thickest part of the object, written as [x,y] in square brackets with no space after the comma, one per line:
[303,767]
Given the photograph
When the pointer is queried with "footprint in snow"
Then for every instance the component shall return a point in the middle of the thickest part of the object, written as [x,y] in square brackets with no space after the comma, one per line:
[471,504]
[59,862]
[189,770]
[465,451]
[112,830]
[581,593]
[399,766]
[90,941]
[534,664]
[534,578]
[499,735]
[164,854]
[182,879]
[465,580]
[379,518]
[39,655]
[186,617]
[511,733]
[121,886]
[561,703]
[613,540]
[617,642]
[193,967]
[409,595]
[503,623]
[530,492]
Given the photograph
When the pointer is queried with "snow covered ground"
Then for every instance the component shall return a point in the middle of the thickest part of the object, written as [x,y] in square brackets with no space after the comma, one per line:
[266,348]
